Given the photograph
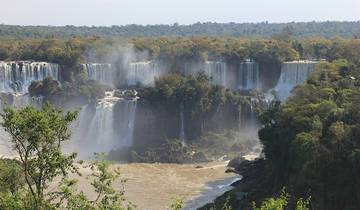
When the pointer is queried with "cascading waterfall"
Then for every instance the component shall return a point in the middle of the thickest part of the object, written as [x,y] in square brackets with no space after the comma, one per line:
[100,72]
[143,73]
[240,122]
[292,74]
[17,76]
[248,126]
[101,128]
[111,126]
[126,111]
[217,72]
[248,76]
[247,117]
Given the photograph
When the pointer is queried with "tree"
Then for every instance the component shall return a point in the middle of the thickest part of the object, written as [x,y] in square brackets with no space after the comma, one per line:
[282,203]
[11,178]
[107,198]
[37,136]
[311,141]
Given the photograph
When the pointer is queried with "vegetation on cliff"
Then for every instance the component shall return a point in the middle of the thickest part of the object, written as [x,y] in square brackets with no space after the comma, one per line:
[82,91]
[210,122]
[310,143]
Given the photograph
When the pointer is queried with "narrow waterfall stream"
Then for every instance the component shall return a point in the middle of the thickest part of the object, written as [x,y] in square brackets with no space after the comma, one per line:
[216,71]
[182,125]
[125,121]
[248,76]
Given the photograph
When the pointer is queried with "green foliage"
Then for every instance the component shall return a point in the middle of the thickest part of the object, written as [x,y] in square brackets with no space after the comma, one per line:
[37,136]
[195,97]
[302,204]
[274,203]
[282,203]
[264,29]
[178,204]
[170,151]
[11,176]
[52,91]
[312,139]
[17,201]
[226,205]
[47,87]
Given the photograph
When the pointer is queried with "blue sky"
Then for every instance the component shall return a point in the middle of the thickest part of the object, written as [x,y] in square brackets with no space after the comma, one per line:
[120,12]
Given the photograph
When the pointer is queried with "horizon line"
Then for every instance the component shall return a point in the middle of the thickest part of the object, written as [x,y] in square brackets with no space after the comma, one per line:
[191,24]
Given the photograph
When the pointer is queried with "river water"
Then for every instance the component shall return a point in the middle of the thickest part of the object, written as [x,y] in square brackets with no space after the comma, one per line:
[156,186]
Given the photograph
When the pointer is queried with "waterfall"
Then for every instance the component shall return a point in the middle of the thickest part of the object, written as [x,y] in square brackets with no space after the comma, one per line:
[292,74]
[15,79]
[247,118]
[101,128]
[109,126]
[216,71]
[248,76]
[16,76]
[100,72]
[125,117]
[143,73]
[182,125]
[240,122]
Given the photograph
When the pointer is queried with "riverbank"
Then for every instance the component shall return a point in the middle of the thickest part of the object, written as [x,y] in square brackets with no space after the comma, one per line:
[254,186]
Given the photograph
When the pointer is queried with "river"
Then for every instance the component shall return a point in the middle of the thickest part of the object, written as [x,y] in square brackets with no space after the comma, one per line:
[156,186]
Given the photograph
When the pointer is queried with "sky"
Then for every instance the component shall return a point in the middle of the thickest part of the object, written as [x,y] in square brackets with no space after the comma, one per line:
[122,12]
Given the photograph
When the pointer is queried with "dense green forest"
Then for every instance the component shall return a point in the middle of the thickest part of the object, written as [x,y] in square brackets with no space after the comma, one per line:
[264,29]
[311,143]
[70,52]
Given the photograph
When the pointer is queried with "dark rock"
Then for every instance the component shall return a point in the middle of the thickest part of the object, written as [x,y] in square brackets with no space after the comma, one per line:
[231,170]
[236,162]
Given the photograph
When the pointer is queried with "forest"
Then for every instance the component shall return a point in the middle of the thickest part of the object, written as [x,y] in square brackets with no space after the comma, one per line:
[310,144]
[329,29]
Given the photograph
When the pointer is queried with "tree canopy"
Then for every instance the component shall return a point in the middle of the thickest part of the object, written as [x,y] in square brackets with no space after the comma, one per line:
[263,29]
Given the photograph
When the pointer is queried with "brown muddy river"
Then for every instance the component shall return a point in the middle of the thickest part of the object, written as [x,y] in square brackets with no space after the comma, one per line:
[155,186]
